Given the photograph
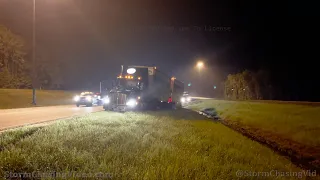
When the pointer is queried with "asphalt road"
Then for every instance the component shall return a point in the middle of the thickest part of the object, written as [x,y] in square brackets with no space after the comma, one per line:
[10,118]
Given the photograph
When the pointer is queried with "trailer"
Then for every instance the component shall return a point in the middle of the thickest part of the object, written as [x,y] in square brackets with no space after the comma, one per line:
[143,87]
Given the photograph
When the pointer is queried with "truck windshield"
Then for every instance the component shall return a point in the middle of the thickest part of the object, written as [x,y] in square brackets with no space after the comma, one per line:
[129,84]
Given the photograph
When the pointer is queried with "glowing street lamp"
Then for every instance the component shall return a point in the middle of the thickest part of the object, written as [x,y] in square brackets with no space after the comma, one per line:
[200,64]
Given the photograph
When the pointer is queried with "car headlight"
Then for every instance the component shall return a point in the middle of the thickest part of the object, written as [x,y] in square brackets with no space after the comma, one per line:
[106,100]
[132,102]
[88,98]
[183,99]
[76,98]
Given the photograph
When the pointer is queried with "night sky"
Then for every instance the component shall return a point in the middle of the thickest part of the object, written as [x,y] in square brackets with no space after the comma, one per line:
[92,38]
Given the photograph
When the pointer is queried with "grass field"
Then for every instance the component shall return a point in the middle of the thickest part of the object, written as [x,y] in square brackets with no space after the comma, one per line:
[133,145]
[20,98]
[299,122]
[292,129]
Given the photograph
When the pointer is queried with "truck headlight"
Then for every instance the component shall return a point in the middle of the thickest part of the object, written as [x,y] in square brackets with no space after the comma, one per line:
[76,98]
[88,98]
[106,100]
[183,99]
[132,102]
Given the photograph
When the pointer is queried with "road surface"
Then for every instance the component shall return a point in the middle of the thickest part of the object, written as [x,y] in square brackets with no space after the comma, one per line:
[10,118]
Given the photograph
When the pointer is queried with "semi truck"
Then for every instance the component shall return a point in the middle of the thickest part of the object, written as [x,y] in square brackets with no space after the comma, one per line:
[143,87]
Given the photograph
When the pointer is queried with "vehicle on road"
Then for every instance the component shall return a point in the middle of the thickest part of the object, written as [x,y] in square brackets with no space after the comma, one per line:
[88,99]
[185,99]
[144,87]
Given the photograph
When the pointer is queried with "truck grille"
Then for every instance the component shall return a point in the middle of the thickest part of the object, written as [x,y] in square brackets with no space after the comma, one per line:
[118,99]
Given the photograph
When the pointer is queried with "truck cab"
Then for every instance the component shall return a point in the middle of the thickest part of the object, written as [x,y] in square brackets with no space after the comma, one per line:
[143,87]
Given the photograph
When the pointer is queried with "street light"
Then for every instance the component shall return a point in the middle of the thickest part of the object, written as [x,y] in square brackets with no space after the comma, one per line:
[34,54]
[200,64]
[101,84]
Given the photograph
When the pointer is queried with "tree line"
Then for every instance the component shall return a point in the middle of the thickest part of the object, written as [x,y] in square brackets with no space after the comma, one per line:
[248,85]
[16,67]
[13,68]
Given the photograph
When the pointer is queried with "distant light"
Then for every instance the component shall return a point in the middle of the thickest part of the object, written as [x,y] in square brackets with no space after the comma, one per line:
[131,70]
[214,87]
[189,84]
[76,98]
[173,78]
[232,89]
[200,64]
[139,78]
[155,67]
[244,89]
[126,76]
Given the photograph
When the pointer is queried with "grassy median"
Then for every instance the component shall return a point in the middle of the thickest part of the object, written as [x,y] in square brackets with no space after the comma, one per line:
[20,98]
[151,145]
[299,122]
